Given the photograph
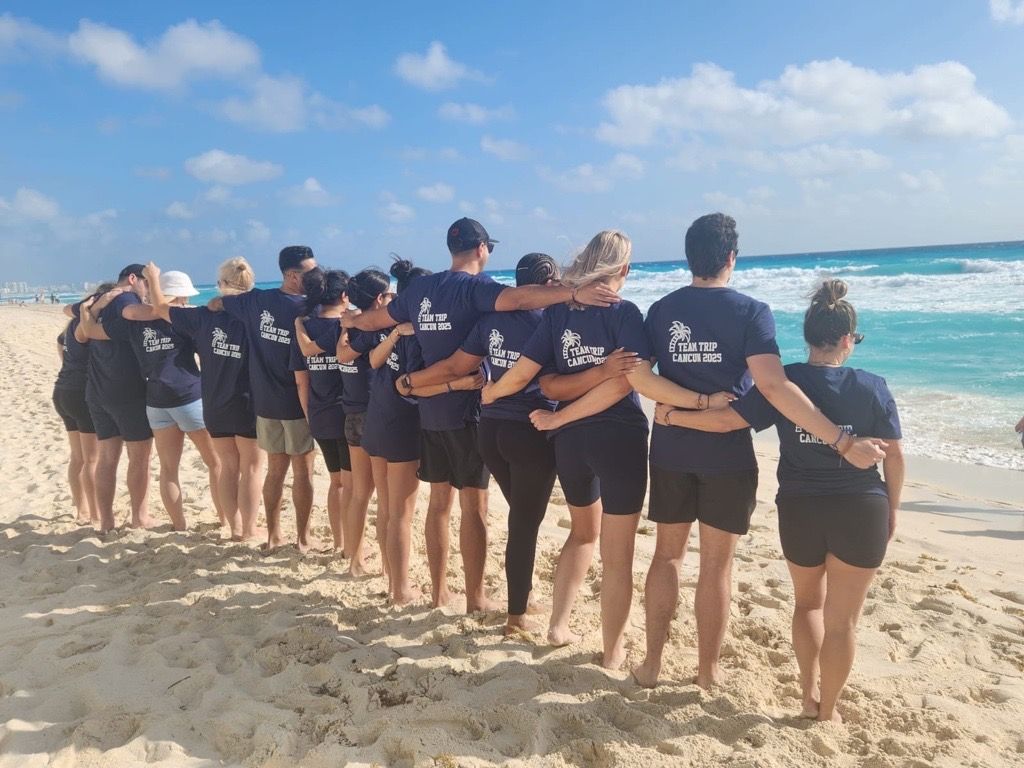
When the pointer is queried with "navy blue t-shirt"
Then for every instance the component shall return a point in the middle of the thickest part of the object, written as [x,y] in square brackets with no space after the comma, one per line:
[569,340]
[856,400]
[114,375]
[74,367]
[223,350]
[385,402]
[355,375]
[326,412]
[443,309]
[168,363]
[701,339]
[499,338]
[269,319]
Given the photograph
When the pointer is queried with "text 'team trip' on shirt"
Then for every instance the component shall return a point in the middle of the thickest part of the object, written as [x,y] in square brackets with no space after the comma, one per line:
[269,320]
[701,339]
[168,363]
[443,309]
[569,340]
[858,401]
[499,338]
[386,405]
[114,375]
[355,376]
[222,346]
[326,412]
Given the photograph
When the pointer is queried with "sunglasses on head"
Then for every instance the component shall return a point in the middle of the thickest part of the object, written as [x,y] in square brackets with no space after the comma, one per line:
[857,337]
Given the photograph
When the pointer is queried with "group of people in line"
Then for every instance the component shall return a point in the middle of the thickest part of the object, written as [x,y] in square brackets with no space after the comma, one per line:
[454,378]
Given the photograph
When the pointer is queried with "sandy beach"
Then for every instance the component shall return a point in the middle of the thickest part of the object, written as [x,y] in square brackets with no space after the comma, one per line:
[187,650]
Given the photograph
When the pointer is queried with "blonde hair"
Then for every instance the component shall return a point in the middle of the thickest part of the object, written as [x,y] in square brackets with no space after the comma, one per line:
[604,257]
[235,276]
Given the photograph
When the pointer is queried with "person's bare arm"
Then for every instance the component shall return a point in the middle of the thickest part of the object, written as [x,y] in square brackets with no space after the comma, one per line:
[562,387]
[893,470]
[60,350]
[157,300]
[472,381]
[514,380]
[344,350]
[458,363]
[370,320]
[308,347]
[302,385]
[90,326]
[661,390]
[791,402]
[80,336]
[714,420]
[599,399]
[379,354]
[594,294]
[68,312]
[216,304]
[140,313]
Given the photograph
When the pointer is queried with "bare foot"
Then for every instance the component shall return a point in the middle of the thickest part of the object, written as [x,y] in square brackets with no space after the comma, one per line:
[304,547]
[515,625]
[536,608]
[413,595]
[442,599]
[83,520]
[646,675]
[273,543]
[483,605]
[560,636]
[146,522]
[708,680]
[824,717]
[614,660]
[357,569]
[809,710]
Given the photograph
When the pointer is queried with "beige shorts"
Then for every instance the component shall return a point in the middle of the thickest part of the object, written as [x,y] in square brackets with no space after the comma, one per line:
[289,436]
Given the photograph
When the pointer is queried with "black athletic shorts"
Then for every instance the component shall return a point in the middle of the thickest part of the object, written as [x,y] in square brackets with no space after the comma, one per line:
[239,432]
[724,501]
[452,456]
[126,420]
[336,455]
[603,460]
[853,527]
[73,411]
[354,424]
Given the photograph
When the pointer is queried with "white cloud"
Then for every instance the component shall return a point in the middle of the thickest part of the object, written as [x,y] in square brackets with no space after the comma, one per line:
[925,181]
[1007,11]
[394,211]
[816,160]
[29,205]
[814,101]
[540,214]
[474,114]
[218,167]
[257,232]
[332,115]
[153,172]
[504,149]
[99,218]
[435,70]
[309,193]
[186,51]
[436,193]
[22,37]
[217,194]
[179,210]
[595,178]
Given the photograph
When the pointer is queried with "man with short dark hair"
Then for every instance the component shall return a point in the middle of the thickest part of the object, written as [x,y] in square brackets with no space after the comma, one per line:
[116,394]
[281,428]
[443,309]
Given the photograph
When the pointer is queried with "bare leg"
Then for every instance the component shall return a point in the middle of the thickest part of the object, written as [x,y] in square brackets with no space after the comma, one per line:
[227,484]
[618,536]
[661,596]
[711,602]
[380,482]
[90,453]
[250,468]
[108,456]
[439,511]
[354,515]
[273,489]
[338,493]
[75,464]
[226,514]
[302,496]
[402,487]
[846,591]
[169,443]
[573,563]
[138,481]
[473,542]
[808,630]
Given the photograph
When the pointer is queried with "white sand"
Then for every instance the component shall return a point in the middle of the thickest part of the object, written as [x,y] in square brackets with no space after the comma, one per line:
[180,650]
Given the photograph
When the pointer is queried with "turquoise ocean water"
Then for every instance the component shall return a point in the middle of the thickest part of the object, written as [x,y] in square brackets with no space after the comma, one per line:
[944,325]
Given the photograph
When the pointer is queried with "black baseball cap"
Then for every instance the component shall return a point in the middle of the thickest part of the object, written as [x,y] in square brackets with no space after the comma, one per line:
[466,234]
[131,269]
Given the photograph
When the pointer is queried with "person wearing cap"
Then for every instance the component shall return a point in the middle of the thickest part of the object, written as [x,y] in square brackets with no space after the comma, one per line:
[221,344]
[116,394]
[444,308]
[281,427]
[174,404]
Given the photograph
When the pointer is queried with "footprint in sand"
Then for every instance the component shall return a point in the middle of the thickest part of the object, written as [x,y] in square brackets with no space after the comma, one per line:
[76,647]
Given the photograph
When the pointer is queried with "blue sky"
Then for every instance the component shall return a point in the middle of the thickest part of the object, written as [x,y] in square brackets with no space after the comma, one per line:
[190,132]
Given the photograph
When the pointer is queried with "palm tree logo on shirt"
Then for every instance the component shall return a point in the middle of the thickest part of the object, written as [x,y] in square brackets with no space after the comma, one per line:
[495,341]
[266,321]
[219,337]
[150,339]
[424,308]
[679,333]
[570,339]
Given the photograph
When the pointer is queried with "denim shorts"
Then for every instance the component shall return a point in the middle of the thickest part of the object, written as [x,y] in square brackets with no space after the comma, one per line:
[187,418]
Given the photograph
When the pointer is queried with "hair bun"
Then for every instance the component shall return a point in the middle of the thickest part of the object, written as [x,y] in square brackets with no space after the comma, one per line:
[830,293]
[400,268]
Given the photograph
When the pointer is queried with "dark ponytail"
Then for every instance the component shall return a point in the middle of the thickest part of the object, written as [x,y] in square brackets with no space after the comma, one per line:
[404,272]
[365,286]
[324,287]
[830,316]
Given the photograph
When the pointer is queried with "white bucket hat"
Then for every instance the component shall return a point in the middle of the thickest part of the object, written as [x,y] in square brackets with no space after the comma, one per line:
[176,284]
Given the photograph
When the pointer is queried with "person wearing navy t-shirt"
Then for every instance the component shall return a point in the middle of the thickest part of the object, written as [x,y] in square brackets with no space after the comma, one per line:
[116,394]
[602,459]
[281,427]
[835,519]
[220,342]
[443,308]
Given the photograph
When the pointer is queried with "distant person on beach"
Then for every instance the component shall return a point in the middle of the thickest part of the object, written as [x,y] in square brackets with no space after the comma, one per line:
[281,427]
[116,394]
[69,401]
[835,519]
[443,308]
[1020,430]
